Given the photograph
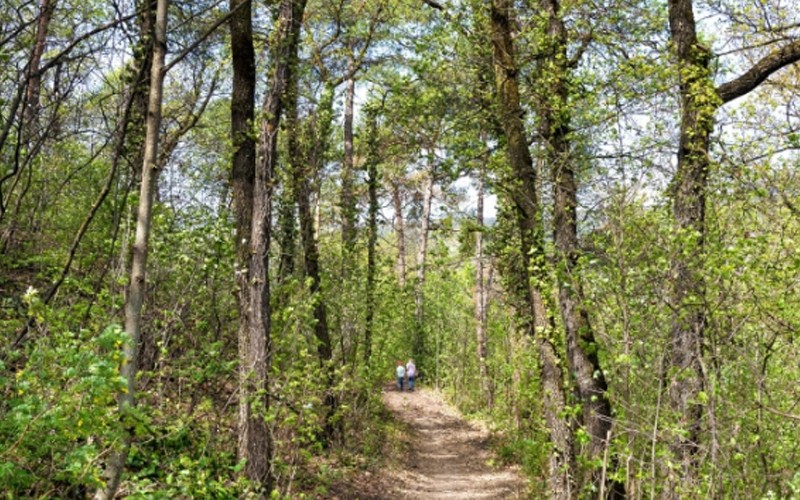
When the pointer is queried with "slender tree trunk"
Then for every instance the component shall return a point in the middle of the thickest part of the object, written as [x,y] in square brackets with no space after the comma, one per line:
[137,287]
[287,224]
[397,202]
[33,92]
[372,225]
[481,293]
[349,217]
[29,123]
[303,164]
[422,257]
[348,201]
[522,188]
[139,75]
[312,269]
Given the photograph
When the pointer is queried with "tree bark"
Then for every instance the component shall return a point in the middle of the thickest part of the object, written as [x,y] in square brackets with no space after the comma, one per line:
[137,287]
[481,293]
[348,201]
[349,217]
[31,139]
[33,92]
[372,226]
[582,349]
[699,103]
[255,442]
[397,202]
[287,223]
[418,346]
[140,79]
[685,379]
[304,163]
[522,189]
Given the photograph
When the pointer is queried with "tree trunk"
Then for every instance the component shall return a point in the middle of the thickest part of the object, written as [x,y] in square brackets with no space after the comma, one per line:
[349,216]
[422,257]
[34,88]
[137,287]
[29,145]
[372,225]
[522,189]
[304,164]
[582,348]
[481,293]
[688,287]
[140,80]
[348,201]
[699,102]
[255,442]
[287,223]
[397,202]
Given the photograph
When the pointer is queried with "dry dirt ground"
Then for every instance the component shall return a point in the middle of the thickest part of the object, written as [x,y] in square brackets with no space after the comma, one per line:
[446,457]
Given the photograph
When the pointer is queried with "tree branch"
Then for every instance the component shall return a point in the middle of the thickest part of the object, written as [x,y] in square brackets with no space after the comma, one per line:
[185,52]
[790,416]
[434,4]
[759,72]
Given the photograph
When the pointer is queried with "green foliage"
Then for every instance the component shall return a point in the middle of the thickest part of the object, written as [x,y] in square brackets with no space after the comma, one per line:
[429,80]
[59,411]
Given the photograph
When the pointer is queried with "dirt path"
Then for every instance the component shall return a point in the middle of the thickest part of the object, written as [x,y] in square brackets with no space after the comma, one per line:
[447,457]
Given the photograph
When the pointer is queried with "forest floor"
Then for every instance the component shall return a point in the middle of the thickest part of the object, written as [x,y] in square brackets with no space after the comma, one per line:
[443,456]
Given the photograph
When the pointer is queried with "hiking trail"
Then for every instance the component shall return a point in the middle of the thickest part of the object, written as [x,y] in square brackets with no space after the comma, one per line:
[446,457]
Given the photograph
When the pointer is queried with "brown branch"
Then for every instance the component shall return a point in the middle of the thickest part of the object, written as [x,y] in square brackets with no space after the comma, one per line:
[586,40]
[771,63]
[434,4]
[791,416]
[171,140]
[57,58]
[122,128]
[202,37]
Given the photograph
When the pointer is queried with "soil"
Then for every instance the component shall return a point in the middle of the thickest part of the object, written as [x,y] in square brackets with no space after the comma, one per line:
[445,456]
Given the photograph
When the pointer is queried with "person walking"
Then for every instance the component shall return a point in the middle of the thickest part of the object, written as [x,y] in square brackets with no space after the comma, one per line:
[411,373]
[400,371]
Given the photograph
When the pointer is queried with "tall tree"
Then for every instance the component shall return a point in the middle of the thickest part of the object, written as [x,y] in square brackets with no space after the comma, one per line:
[137,285]
[256,445]
[700,100]
[429,182]
[307,148]
[521,186]
[399,229]
[554,120]
[482,285]
[46,8]
[373,180]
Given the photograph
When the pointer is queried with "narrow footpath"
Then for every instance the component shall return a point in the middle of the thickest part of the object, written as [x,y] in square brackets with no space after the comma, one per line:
[448,457]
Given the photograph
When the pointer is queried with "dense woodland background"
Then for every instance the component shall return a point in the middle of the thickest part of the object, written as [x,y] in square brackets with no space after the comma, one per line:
[580,218]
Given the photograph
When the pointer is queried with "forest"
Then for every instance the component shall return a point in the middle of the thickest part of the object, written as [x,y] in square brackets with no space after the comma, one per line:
[223,222]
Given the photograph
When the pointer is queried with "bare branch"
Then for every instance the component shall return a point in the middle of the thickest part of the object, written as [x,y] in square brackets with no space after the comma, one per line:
[202,38]
[791,416]
[759,72]
[434,4]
